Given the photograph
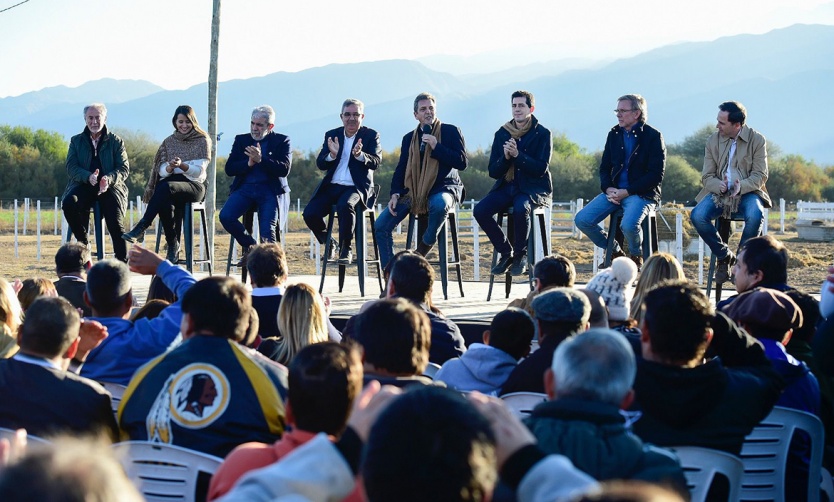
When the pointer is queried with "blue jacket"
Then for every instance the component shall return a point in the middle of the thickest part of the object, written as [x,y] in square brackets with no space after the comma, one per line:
[646,166]
[450,154]
[534,150]
[276,161]
[361,173]
[129,345]
[481,367]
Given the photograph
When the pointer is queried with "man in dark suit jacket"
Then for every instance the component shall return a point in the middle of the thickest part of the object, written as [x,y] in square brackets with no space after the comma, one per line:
[36,391]
[260,162]
[350,154]
[426,179]
[267,265]
[71,264]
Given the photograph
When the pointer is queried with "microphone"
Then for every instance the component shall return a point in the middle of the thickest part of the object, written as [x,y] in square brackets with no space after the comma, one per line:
[426,130]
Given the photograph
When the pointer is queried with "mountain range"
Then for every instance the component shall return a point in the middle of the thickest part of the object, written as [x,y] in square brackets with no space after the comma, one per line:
[784,77]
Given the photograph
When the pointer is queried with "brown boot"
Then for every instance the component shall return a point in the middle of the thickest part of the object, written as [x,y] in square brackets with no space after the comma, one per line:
[423,248]
[638,260]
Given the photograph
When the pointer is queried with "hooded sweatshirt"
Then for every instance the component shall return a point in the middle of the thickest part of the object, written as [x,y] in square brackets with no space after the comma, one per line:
[481,367]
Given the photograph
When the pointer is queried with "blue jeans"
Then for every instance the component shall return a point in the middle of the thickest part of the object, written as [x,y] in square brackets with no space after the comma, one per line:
[635,209]
[703,219]
[245,198]
[439,205]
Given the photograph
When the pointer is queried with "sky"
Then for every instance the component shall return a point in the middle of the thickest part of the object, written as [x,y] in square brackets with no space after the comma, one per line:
[47,43]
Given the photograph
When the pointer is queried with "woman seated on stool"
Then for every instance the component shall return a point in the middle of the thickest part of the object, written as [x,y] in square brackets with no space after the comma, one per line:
[178,177]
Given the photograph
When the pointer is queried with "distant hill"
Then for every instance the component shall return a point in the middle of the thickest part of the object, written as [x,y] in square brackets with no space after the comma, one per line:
[784,78]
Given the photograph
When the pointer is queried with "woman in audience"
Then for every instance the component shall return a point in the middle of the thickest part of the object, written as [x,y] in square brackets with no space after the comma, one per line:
[10,317]
[178,176]
[33,288]
[302,321]
[658,268]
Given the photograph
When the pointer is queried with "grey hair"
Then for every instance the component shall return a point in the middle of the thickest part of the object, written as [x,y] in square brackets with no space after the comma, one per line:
[598,365]
[353,101]
[423,96]
[98,106]
[638,102]
[264,112]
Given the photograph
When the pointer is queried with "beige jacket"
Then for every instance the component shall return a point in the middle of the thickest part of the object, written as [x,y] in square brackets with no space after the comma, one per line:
[749,164]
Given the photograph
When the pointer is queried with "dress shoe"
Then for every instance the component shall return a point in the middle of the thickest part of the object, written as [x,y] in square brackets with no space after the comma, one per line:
[345,256]
[519,265]
[138,232]
[423,248]
[242,262]
[723,267]
[638,260]
[173,252]
[333,254]
[504,262]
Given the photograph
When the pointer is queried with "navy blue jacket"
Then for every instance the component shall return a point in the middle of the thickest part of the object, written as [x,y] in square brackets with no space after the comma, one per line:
[532,175]
[451,155]
[361,173]
[648,161]
[276,160]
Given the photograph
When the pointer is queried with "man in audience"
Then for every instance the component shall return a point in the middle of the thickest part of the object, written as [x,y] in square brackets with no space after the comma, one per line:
[210,393]
[485,366]
[599,312]
[36,391]
[559,313]
[267,265]
[687,399]
[554,271]
[71,264]
[129,345]
[587,386]
[762,263]
[324,379]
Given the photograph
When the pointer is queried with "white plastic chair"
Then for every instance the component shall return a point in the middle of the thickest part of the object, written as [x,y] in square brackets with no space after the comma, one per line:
[700,465]
[163,472]
[765,453]
[116,392]
[9,434]
[522,403]
[431,370]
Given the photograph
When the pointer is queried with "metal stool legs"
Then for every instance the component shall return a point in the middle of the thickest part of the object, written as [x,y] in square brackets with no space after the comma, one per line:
[360,232]
[537,217]
[449,226]
[615,234]
[188,231]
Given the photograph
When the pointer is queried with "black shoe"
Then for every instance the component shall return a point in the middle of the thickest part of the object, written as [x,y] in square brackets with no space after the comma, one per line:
[519,265]
[504,262]
[242,262]
[724,267]
[423,248]
[345,256]
[138,232]
[333,255]
[173,254]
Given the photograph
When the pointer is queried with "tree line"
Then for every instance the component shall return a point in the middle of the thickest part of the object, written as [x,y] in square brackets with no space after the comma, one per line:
[32,164]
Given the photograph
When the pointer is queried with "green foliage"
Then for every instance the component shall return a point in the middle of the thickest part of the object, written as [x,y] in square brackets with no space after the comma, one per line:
[575,172]
[141,149]
[681,182]
[691,149]
[793,178]
[32,163]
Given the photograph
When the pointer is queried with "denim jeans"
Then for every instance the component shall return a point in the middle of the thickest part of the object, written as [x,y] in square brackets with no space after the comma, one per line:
[500,200]
[439,205]
[635,209]
[703,219]
[246,197]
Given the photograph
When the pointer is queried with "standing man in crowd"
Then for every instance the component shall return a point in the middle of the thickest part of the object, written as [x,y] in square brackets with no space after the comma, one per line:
[260,162]
[630,173]
[350,155]
[734,176]
[97,168]
[426,180]
[519,162]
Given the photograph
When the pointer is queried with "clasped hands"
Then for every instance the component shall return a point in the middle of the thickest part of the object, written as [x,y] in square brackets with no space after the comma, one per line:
[254,154]
[510,149]
[616,195]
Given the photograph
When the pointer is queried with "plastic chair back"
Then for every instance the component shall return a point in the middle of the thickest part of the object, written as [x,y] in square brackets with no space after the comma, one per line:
[700,465]
[522,403]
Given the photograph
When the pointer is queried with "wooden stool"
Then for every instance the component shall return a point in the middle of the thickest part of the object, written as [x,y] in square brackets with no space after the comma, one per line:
[188,229]
[537,217]
[615,233]
[95,209]
[724,230]
[450,225]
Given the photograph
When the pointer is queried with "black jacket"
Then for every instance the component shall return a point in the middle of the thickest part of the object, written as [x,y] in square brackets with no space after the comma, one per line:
[532,175]
[648,161]
[361,173]
[276,160]
[450,154]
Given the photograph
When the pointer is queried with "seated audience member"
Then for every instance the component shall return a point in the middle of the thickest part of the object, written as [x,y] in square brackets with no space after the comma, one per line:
[395,336]
[687,399]
[69,470]
[559,313]
[427,444]
[150,310]
[157,290]
[614,285]
[36,391]
[554,271]
[267,266]
[129,345]
[485,366]
[210,393]
[588,384]
[302,321]
[599,312]
[324,379]
[658,268]
[71,264]
[762,262]
[33,288]
[770,317]
[10,317]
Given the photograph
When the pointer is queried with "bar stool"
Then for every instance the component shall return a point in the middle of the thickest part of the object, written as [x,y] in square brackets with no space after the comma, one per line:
[649,226]
[450,225]
[188,228]
[724,230]
[537,217]
[362,261]
[98,226]
[248,222]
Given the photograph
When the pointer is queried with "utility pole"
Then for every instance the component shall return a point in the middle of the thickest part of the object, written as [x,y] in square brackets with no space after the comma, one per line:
[211,194]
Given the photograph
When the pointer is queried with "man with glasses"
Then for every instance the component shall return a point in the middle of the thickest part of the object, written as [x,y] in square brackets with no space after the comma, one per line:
[734,176]
[350,154]
[260,162]
[630,172]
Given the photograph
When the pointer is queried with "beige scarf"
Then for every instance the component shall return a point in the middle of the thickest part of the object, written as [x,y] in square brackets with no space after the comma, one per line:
[420,177]
[729,200]
[192,146]
[515,133]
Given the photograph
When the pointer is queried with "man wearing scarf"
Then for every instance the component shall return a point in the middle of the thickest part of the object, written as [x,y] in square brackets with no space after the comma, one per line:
[426,179]
[632,167]
[519,162]
[97,168]
[734,176]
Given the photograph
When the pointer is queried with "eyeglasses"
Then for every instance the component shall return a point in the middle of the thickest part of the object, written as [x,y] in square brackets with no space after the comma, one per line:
[349,115]
[622,112]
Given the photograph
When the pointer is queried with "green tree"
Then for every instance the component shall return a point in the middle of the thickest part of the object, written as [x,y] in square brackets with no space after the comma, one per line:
[574,171]
[681,181]
[691,149]
[31,163]
[793,178]
[141,149]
